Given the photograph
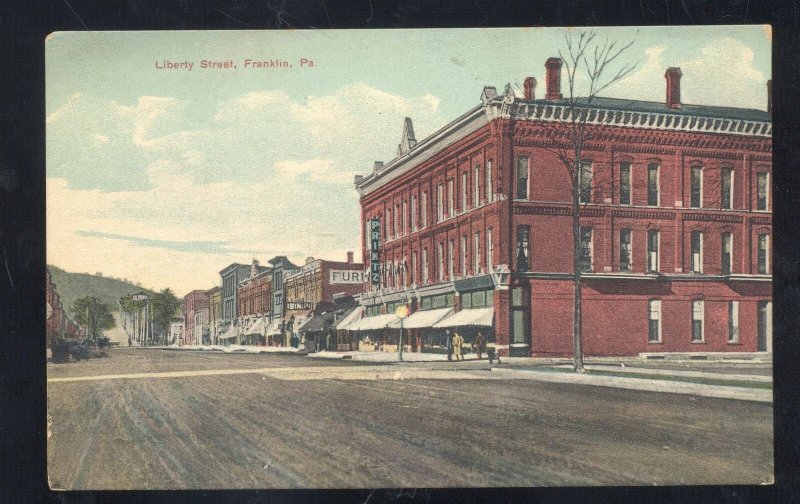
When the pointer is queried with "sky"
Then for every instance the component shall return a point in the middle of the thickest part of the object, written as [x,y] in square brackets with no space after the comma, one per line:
[165,176]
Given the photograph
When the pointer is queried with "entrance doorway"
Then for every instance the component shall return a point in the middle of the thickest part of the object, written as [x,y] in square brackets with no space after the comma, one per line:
[520,337]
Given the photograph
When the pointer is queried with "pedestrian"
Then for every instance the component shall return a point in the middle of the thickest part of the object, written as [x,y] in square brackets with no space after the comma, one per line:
[458,343]
[449,345]
[480,344]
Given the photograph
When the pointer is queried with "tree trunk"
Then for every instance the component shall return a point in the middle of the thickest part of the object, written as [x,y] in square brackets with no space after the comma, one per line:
[577,347]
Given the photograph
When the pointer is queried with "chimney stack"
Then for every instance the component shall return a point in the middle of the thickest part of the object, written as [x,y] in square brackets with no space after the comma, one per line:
[769,96]
[673,76]
[553,66]
[349,257]
[530,88]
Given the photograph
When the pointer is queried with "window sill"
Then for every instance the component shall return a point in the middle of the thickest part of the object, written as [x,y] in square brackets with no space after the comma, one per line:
[698,342]
[655,342]
[734,343]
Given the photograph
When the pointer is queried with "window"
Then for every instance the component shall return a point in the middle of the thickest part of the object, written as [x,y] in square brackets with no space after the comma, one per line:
[463,255]
[440,262]
[696,197]
[450,247]
[762,190]
[763,254]
[652,251]
[489,189]
[414,213]
[522,177]
[523,247]
[585,250]
[477,251]
[414,267]
[440,203]
[652,184]
[451,199]
[726,186]
[424,209]
[625,250]
[425,266]
[624,183]
[727,253]
[388,224]
[404,229]
[654,321]
[477,182]
[397,216]
[489,249]
[464,203]
[697,321]
[733,321]
[697,252]
[585,182]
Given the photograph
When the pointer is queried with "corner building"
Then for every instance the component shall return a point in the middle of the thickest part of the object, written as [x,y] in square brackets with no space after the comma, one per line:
[676,223]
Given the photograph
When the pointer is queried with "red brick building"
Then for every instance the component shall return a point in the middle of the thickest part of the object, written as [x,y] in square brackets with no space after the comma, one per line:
[676,224]
[196,318]
[254,304]
[59,324]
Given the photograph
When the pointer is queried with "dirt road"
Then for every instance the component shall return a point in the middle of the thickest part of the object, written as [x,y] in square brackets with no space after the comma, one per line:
[268,430]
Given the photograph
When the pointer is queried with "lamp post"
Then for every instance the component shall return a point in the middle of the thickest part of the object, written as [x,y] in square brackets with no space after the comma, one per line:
[401,312]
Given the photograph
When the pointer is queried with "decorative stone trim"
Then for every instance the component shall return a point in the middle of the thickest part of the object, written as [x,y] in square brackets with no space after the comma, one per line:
[711,217]
[643,214]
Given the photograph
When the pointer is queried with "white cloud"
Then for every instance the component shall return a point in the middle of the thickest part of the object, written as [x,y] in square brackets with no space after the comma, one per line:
[264,173]
[722,74]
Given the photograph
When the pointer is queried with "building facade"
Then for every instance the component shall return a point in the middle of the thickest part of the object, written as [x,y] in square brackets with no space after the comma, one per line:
[196,318]
[255,304]
[214,313]
[311,288]
[59,325]
[675,223]
[281,266]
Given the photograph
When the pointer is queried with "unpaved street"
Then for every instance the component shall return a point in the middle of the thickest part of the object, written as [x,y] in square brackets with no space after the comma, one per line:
[301,422]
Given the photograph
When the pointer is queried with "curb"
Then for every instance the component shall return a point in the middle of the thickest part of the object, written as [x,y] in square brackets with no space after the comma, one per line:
[644,384]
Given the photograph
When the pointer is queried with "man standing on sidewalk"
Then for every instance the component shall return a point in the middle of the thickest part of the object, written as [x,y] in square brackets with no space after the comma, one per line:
[449,345]
[458,343]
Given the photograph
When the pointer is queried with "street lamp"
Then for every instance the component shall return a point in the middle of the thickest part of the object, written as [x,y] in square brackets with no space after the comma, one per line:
[402,312]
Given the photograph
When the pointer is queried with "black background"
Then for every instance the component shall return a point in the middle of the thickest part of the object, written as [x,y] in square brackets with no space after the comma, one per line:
[23,471]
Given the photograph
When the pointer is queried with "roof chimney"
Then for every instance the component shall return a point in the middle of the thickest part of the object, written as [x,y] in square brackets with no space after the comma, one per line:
[769,96]
[254,268]
[673,76]
[553,66]
[530,88]
[408,140]
[349,257]
[378,166]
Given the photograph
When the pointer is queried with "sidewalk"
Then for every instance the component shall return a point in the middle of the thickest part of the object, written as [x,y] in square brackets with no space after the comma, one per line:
[652,385]
[390,356]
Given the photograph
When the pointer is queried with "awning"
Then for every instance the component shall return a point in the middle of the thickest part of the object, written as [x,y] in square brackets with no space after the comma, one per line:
[469,317]
[318,323]
[299,322]
[273,328]
[351,318]
[422,319]
[231,332]
[256,327]
[372,323]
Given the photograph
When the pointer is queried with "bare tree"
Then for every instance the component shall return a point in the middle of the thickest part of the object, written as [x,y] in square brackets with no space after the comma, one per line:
[600,65]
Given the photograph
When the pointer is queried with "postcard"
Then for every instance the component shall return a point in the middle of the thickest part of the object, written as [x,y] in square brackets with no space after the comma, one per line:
[409,258]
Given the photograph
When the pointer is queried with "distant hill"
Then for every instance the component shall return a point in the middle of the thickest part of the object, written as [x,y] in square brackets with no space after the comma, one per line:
[72,286]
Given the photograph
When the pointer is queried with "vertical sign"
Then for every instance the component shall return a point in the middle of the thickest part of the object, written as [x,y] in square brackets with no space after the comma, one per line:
[374,261]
